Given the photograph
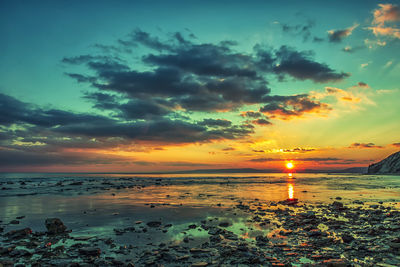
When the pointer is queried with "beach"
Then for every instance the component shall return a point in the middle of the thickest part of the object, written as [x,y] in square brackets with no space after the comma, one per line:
[200,220]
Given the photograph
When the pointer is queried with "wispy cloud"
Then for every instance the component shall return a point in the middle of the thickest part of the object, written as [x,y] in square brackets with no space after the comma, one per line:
[364,145]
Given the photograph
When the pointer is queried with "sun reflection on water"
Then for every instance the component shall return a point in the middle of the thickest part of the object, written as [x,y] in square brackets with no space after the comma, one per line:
[290,191]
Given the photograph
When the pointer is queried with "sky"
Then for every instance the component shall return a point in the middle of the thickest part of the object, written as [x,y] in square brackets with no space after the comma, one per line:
[144,86]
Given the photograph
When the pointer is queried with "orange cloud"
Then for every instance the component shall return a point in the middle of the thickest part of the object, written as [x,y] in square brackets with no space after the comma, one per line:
[386,13]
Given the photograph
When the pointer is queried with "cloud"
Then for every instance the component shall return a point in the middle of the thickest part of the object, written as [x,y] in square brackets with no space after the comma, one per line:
[288,107]
[364,145]
[336,36]
[362,84]
[371,44]
[300,66]
[350,49]
[303,30]
[384,15]
[396,144]
[79,126]
[261,122]
[215,123]
[298,150]
[251,114]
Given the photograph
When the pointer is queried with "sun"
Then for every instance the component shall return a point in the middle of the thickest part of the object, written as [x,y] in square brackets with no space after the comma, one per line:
[289,165]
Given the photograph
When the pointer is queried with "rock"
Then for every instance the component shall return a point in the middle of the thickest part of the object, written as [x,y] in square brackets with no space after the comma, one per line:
[224,224]
[390,164]
[154,224]
[55,226]
[192,226]
[90,251]
[14,222]
[336,205]
[18,234]
[347,238]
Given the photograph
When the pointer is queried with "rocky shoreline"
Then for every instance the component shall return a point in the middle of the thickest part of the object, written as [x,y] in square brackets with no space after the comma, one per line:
[299,234]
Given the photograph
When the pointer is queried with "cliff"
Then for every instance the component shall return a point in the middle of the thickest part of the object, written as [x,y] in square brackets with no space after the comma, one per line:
[390,164]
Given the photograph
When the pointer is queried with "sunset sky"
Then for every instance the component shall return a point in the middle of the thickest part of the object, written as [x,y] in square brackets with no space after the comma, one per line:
[143,86]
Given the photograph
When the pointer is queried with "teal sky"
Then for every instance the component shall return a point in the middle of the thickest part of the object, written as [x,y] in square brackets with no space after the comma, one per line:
[38,35]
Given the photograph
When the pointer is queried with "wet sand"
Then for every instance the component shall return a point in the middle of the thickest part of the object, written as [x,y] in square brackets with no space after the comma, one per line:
[201,220]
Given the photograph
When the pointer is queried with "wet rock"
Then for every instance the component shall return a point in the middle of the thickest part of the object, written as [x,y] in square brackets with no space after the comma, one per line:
[336,205]
[224,224]
[347,238]
[18,234]
[55,226]
[154,224]
[14,222]
[192,226]
[90,251]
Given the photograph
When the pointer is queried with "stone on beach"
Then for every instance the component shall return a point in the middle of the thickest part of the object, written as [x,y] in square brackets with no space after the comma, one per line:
[55,226]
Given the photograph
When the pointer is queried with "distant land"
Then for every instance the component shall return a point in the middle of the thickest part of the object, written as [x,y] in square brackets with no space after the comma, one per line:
[389,165]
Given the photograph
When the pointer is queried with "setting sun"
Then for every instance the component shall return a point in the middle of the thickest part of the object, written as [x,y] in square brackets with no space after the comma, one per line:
[289,165]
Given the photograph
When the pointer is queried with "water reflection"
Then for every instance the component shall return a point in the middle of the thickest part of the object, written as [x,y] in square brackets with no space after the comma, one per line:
[290,191]
[291,200]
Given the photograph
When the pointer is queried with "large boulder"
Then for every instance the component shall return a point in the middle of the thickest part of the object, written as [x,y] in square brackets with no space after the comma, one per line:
[389,165]
[55,226]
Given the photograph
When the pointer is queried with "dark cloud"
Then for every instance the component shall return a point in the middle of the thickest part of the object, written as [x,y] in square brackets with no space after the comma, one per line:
[364,145]
[251,114]
[303,30]
[300,66]
[205,59]
[362,84]
[200,77]
[287,107]
[215,123]
[15,111]
[262,122]
[336,36]
[143,38]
